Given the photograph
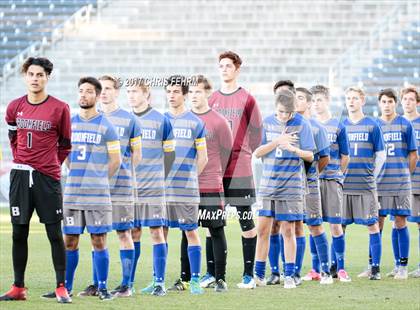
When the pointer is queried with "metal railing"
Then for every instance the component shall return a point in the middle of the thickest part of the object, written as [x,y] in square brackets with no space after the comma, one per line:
[352,61]
[80,17]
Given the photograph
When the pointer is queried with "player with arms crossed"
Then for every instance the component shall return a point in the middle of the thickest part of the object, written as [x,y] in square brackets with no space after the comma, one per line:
[94,159]
[410,100]
[240,109]
[158,154]
[394,188]
[39,133]
[122,183]
[287,142]
[182,190]
[367,151]
[313,208]
[219,142]
[331,186]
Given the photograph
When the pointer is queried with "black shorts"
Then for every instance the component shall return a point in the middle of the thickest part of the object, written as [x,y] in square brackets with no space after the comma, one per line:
[211,211]
[44,196]
[239,191]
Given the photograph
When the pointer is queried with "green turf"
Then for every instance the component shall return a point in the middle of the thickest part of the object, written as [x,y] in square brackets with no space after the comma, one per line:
[359,294]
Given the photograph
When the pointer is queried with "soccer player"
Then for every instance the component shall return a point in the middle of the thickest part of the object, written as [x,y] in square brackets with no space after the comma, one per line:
[240,109]
[182,191]
[394,188]
[281,187]
[122,183]
[313,209]
[367,151]
[158,154]
[331,185]
[219,142]
[276,239]
[94,159]
[39,133]
[410,100]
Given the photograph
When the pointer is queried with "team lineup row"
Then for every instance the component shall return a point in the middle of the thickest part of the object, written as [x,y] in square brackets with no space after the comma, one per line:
[316,168]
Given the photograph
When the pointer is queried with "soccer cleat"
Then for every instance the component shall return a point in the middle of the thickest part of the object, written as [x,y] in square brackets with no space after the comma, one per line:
[122,291]
[179,285]
[312,276]
[158,290]
[343,276]
[289,282]
[149,289]
[415,273]
[365,273]
[247,282]
[298,279]
[402,273]
[326,279]
[333,271]
[62,295]
[273,279]
[195,287]
[392,273]
[207,281]
[375,274]
[91,290]
[15,293]
[260,281]
[221,286]
[51,295]
[104,295]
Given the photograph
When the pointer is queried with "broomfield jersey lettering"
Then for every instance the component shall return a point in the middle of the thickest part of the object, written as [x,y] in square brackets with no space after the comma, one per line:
[33,124]
[182,133]
[85,137]
[358,136]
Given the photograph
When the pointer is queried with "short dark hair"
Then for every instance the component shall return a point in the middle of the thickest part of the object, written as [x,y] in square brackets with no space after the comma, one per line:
[320,89]
[290,85]
[93,81]
[45,63]
[197,79]
[287,99]
[178,80]
[237,61]
[307,93]
[389,92]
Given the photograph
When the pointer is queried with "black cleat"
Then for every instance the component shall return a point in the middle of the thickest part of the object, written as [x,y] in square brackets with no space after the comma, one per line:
[104,295]
[221,286]
[158,290]
[333,271]
[274,279]
[375,274]
[91,290]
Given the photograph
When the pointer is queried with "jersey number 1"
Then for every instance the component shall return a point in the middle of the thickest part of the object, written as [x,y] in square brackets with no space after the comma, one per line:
[29,140]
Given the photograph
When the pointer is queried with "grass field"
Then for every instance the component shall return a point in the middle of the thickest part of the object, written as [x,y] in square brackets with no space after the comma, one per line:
[359,294]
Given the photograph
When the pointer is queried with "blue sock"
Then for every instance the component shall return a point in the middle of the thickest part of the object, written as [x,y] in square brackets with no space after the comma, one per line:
[194,255]
[314,254]
[102,267]
[260,269]
[332,254]
[94,275]
[404,245]
[322,248]
[375,244]
[159,262]
[137,251]
[283,259]
[395,246]
[300,252]
[274,253]
[72,259]
[339,246]
[289,269]
[127,259]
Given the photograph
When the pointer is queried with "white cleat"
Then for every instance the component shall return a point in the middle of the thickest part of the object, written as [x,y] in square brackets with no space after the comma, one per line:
[259,282]
[326,279]
[289,283]
[402,273]
[247,283]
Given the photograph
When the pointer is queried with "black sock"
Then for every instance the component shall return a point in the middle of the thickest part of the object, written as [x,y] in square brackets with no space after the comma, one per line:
[248,250]
[20,252]
[185,262]
[210,256]
[218,239]
[58,252]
